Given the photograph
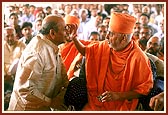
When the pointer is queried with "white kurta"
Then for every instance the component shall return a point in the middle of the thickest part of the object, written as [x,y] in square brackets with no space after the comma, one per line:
[12,55]
[40,77]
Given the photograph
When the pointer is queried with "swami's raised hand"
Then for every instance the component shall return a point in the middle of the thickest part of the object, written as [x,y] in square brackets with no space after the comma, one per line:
[71,31]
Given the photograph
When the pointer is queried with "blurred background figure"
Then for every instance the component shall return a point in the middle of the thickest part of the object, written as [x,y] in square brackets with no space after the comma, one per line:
[54,11]
[102,30]
[83,16]
[75,13]
[13,50]
[27,16]
[27,32]
[102,10]
[136,32]
[144,36]
[94,36]
[32,9]
[106,21]
[67,9]
[92,25]
[48,10]
[160,32]
[37,26]
[39,13]
[14,22]
[153,47]
[144,20]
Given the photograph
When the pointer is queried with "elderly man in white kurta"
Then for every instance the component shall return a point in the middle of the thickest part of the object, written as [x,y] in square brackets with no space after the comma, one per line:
[41,78]
[12,52]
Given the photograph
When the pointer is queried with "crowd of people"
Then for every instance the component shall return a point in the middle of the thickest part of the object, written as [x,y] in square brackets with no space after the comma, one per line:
[120,46]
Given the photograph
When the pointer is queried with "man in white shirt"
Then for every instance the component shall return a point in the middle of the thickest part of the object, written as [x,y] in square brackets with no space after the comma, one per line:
[41,78]
[92,26]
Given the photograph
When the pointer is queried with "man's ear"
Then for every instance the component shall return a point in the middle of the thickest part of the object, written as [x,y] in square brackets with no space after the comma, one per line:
[52,32]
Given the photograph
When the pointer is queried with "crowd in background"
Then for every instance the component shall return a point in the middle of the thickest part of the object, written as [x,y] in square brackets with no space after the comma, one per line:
[91,15]
[94,20]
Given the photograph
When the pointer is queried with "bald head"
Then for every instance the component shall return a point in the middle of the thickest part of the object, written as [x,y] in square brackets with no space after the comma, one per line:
[51,22]
[52,18]
[53,27]
[153,45]
[154,40]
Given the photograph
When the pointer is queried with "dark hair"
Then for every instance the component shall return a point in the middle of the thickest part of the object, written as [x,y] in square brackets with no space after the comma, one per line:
[148,27]
[144,14]
[26,5]
[106,18]
[26,24]
[48,7]
[137,23]
[94,33]
[13,14]
[48,26]
[32,6]
[99,14]
[101,25]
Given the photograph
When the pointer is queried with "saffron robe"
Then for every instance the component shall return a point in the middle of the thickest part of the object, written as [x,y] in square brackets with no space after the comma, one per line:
[69,52]
[122,71]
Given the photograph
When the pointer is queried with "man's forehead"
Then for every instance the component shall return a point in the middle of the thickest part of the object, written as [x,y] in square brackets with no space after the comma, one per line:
[52,18]
[145,29]
[154,39]
[9,30]
[138,24]
[13,16]
[102,28]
